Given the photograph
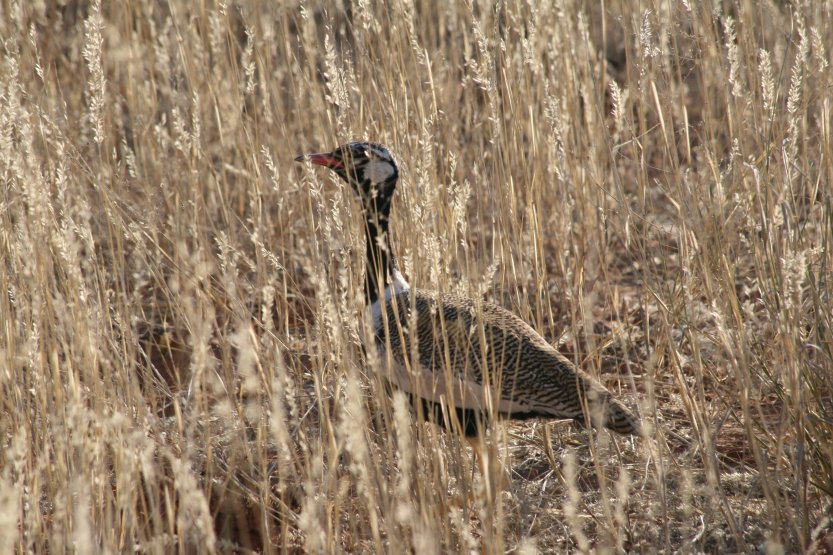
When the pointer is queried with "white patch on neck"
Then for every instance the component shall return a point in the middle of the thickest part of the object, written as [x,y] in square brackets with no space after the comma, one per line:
[398,285]
[378,171]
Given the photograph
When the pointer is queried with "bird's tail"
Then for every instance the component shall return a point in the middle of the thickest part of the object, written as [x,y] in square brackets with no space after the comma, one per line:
[621,420]
[605,409]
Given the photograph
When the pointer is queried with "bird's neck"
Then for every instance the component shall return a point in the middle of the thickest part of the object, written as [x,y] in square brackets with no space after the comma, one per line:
[382,270]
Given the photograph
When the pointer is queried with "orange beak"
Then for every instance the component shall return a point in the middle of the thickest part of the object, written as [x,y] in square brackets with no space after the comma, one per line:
[326,159]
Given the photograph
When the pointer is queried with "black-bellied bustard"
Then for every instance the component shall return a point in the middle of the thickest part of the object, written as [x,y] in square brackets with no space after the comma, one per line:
[467,361]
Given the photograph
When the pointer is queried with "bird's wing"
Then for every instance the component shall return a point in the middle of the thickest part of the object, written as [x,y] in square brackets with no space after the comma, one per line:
[477,355]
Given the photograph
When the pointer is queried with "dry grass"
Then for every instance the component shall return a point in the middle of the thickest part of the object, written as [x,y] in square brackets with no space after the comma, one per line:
[181,363]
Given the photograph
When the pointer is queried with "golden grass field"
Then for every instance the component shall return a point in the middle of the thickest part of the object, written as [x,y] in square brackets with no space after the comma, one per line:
[647,183]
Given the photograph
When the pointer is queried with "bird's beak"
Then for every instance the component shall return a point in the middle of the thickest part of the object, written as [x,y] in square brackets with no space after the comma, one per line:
[326,159]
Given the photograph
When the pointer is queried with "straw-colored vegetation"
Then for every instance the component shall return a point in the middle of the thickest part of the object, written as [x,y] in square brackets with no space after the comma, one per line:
[647,183]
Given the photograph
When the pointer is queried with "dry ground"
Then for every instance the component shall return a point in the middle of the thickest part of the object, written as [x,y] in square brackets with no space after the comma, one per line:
[647,183]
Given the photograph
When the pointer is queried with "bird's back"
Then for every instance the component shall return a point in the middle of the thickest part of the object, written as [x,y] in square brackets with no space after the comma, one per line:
[481,356]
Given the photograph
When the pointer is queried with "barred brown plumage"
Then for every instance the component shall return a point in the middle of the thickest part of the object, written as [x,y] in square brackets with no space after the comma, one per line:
[484,344]
[464,360]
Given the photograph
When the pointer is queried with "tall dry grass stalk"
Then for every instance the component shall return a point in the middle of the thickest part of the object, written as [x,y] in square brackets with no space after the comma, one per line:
[648,184]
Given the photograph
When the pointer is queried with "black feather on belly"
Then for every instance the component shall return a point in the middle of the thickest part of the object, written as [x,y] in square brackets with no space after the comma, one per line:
[469,422]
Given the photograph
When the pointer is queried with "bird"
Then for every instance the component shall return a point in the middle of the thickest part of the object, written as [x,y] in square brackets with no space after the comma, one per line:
[462,361]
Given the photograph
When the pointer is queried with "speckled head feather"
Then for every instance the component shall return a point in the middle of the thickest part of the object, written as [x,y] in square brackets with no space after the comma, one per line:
[368,167]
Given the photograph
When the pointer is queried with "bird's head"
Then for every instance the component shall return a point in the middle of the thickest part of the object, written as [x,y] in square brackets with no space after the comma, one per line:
[368,167]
